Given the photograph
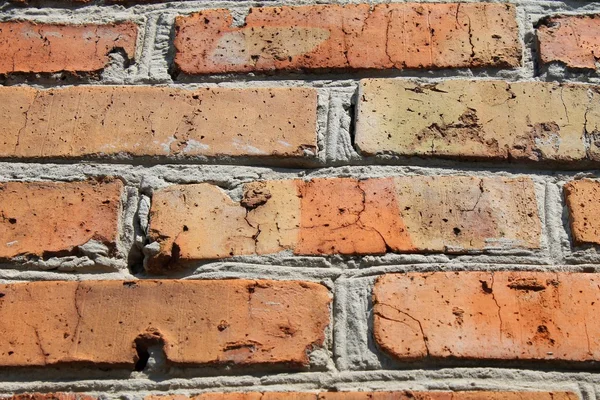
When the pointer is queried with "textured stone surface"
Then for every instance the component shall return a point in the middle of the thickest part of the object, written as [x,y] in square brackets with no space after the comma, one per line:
[488,316]
[28,47]
[403,395]
[150,121]
[584,210]
[349,37]
[48,218]
[49,396]
[448,214]
[535,121]
[573,40]
[200,322]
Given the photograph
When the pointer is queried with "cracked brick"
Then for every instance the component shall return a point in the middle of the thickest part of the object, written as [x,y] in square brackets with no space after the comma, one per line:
[525,316]
[357,36]
[493,120]
[27,47]
[584,210]
[118,121]
[215,322]
[572,40]
[439,214]
[45,219]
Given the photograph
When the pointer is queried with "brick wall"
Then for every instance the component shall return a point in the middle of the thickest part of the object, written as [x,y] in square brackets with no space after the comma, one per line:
[299,201]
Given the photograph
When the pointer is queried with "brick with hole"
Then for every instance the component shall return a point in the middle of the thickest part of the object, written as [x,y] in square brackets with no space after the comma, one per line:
[480,120]
[488,316]
[399,395]
[148,122]
[412,214]
[196,323]
[354,37]
[584,210]
[571,40]
[45,219]
[29,47]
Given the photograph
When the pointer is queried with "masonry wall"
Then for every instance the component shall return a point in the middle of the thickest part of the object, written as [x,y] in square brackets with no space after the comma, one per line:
[299,200]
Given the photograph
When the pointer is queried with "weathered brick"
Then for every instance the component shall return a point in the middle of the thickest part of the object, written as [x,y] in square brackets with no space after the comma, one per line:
[448,214]
[357,36]
[403,395]
[29,47]
[47,218]
[534,121]
[135,121]
[488,316]
[573,40]
[214,322]
[584,210]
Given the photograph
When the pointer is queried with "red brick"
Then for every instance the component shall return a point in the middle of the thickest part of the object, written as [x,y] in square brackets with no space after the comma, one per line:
[47,218]
[404,395]
[217,322]
[29,47]
[584,210]
[349,37]
[488,316]
[493,120]
[441,214]
[573,40]
[95,121]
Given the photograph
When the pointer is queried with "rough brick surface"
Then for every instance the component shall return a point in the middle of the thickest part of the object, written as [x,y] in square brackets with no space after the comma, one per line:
[573,40]
[584,210]
[344,216]
[349,37]
[488,316]
[150,121]
[404,395]
[28,47]
[200,322]
[47,218]
[536,121]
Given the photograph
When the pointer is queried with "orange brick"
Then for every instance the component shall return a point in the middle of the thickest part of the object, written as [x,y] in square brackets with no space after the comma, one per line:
[349,37]
[404,395]
[216,322]
[28,47]
[48,218]
[488,316]
[95,121]
[584,210]
[482,119]
[573,40]
[443,214]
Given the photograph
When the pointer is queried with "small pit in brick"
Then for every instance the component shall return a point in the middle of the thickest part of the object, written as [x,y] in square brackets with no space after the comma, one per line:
[144,344]
[485,287]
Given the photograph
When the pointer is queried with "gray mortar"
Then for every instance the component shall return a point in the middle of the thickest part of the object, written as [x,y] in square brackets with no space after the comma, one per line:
[350,360]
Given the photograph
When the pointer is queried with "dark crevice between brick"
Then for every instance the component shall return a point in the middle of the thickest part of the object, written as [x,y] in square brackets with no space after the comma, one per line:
[351,131]
[146,347]
[127,61]
[173,70]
